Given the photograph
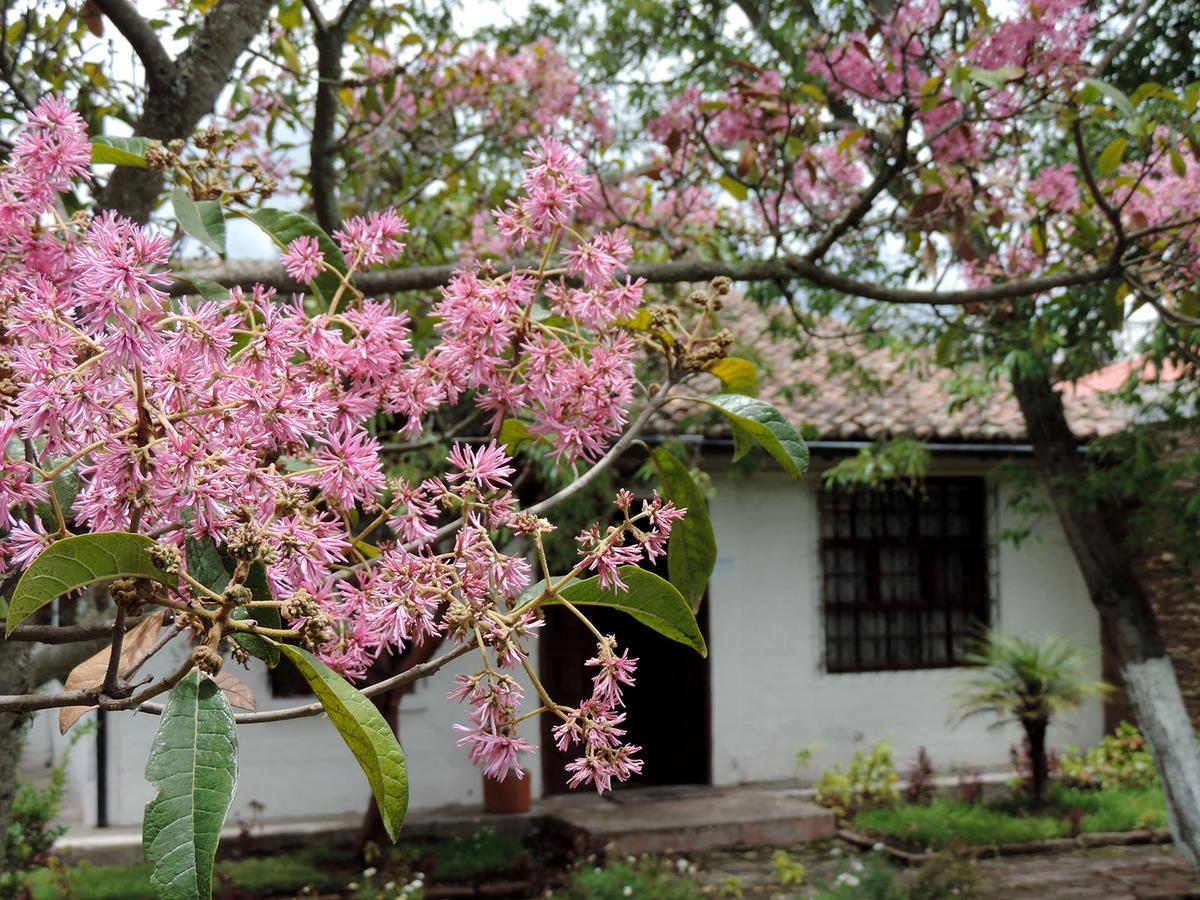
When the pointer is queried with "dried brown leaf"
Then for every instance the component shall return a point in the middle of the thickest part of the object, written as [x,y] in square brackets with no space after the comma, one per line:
[90,672]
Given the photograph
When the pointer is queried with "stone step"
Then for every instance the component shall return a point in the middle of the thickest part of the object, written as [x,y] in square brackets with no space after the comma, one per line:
[687,821]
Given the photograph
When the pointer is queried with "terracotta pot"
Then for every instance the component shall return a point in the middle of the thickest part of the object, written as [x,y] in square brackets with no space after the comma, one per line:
[512,795]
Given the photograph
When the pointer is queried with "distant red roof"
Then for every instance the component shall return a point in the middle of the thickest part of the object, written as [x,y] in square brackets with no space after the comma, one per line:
[912,398]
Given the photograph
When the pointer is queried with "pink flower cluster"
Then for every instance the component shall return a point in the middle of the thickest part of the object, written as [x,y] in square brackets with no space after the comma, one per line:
[603,550]
[254,422]
[595,726]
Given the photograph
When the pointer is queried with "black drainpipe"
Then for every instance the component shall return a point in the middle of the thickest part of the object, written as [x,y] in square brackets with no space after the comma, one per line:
[101,769]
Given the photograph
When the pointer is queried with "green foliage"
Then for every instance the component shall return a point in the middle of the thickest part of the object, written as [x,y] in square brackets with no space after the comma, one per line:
[486,850]
[945,822]
[1120,760]
[869,877]
[651,600]
[193,763]
[692,547]
[868,781]
[738,376]
[30,835]
[120,151]
[300,873]
[284,226]
[647,877]
[901,463]
[753,422]
[788,872]
[1022,680]
[365,732]
[200,219]
[82,560]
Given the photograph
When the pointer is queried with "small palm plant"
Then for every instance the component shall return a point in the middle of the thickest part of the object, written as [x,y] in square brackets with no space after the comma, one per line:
[1028,682]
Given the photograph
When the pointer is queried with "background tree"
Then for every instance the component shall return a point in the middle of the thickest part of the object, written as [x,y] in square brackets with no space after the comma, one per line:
[1027,682]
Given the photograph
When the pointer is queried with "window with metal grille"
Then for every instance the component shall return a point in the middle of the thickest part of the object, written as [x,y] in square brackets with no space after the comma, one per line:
[905,575]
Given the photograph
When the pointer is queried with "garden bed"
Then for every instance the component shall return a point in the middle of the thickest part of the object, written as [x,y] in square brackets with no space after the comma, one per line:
[483,864]
[1071,817]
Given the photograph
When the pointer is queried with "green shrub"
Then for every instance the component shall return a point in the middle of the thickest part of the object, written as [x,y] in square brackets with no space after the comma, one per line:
[869,781]
[30,836]
[1120,760]
[647,877]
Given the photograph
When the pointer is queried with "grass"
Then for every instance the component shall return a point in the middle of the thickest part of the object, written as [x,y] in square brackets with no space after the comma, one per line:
[265,875]
[947,821]
[320,868]
[484,851]
[647,877]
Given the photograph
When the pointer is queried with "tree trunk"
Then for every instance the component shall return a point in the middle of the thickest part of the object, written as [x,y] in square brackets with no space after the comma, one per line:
[14,658]
[1118,595]
[1039,769]
[178,97]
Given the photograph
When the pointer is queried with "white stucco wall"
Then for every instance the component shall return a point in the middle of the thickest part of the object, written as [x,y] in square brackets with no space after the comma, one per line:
[770,695]
[298,769]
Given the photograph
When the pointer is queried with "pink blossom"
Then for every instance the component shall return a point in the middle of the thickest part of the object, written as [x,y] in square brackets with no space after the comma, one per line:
[303,259]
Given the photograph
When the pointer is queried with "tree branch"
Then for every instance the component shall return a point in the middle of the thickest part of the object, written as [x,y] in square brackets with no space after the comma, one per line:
[175,106]
[67,634]
[330,39]
[1122,39]
[417,278]
[160,68]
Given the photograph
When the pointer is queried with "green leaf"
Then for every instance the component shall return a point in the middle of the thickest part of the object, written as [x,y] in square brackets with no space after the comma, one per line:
[266,616]
[203,558]
[204,220]
[757,422]
[738,376]
[1113,310]
[692,548]
[120,151]
[514,433]
[66,488]
[651,600]
[193,763]
[284,226]
[78,561]
[209,290]
[1114,94]
[734,187]
[1110,157]
[365,732]
[1178,166]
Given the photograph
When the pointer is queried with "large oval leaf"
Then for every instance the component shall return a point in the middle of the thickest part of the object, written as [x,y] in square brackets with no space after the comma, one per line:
[738,376]
[692,549]
[365,732]
[757,422]
[203,220]
[193,763]
[81,560]
[120,151]
[651,600]
[284,226]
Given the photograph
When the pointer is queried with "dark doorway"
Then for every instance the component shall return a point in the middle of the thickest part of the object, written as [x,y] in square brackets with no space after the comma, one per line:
[667,710]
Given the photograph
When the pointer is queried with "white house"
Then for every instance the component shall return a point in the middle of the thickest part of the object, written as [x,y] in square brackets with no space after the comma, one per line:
[833,619]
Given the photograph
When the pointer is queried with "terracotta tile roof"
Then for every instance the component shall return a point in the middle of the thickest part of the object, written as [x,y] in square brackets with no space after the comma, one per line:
[912,398]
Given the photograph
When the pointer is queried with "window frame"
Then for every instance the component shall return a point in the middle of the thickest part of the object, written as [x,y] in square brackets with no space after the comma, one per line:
[962,611]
